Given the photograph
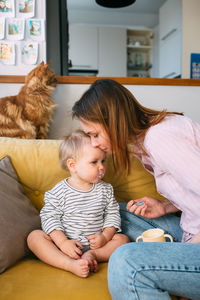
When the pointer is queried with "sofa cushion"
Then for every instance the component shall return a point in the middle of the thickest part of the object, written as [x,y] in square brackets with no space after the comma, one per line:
[37,165]
[31,279]
[18,217]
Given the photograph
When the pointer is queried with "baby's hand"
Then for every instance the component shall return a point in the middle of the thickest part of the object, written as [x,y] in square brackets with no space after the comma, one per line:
[70,248]
[97,240]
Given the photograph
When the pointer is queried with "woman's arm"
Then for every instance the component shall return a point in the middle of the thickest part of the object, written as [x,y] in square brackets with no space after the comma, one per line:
[178,156]
[169,207]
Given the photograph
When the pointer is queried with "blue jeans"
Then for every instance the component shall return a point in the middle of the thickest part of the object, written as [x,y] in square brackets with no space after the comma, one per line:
[152,271]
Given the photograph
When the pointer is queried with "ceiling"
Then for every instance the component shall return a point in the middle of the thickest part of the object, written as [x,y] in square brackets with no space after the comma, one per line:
[140,6]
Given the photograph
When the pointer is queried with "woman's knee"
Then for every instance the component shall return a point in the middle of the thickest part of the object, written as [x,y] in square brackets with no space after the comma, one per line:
[120,271]
[119,260]
[127,260]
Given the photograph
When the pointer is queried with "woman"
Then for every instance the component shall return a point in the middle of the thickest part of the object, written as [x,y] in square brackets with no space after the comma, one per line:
[168,145]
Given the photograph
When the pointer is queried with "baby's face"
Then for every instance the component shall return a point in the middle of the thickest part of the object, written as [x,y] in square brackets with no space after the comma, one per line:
[90,166]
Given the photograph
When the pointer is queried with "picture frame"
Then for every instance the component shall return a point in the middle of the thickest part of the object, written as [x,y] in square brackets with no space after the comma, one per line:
[15,29]
[25,8]
[29,53]
[7,8]
[2,28]
[7,53]
[36,29]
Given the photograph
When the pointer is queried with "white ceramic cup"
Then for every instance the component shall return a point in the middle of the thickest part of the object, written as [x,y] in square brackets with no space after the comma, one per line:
[154,235]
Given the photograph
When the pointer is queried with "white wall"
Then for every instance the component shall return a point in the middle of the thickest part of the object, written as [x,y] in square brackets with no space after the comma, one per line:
[112,18]
[174,98]
[190,29]
[155,53]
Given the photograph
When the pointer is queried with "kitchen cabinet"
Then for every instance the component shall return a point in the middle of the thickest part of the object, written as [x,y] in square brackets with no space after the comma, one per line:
[112,51]
[170,39]
[83,46]
[139,52]
[170,56]
[95,50]
[170,18]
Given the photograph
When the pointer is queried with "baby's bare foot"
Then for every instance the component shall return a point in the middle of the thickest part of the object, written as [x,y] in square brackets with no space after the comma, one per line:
[79,267]
[92,260]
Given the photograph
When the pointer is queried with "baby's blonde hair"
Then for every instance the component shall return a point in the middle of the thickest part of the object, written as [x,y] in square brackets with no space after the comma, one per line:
[71,147]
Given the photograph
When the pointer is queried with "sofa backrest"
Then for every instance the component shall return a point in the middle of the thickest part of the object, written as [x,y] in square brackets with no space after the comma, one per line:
[37,165]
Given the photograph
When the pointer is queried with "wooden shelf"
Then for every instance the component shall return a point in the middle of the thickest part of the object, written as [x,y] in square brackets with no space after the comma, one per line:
[139,48]
[142,47]
[137,68]
[122,80]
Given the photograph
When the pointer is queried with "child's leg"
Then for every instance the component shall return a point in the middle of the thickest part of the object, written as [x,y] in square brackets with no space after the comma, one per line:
[44,248]
[104,253]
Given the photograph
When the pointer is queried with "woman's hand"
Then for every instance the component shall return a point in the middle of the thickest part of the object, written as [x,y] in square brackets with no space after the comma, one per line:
[152,208]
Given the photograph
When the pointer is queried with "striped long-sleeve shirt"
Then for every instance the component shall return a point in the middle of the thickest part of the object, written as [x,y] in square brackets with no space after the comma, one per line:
[80,213]
[173,147]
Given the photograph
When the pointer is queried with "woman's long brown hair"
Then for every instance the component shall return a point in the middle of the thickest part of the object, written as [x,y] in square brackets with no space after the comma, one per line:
[125,120]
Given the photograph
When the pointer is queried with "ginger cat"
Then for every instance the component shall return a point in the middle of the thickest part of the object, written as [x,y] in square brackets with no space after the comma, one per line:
[28,114]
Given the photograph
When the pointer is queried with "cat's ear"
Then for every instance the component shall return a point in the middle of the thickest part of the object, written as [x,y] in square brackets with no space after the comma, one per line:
[42,63]
[45,67]
[49,62]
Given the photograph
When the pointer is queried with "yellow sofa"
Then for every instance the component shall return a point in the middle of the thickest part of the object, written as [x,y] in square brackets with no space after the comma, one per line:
[37,165]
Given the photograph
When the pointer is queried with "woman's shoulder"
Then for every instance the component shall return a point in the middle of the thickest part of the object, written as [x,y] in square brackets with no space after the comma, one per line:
[172,124]
[170,128]
[171,120]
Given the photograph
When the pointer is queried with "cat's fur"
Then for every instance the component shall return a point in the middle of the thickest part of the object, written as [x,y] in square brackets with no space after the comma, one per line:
[27,115]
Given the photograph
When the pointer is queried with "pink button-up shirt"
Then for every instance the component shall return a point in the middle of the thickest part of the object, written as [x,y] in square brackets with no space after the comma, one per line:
[173,146]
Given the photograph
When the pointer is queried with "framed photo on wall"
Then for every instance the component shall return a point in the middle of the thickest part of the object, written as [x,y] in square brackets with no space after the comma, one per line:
[29,53]
[7,53]
[195,65]
[25,8]
[15,29]
[2,28]
[36,29]
[7,8]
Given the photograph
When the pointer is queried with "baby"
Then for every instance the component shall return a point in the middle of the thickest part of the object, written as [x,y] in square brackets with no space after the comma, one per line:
[80,218]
